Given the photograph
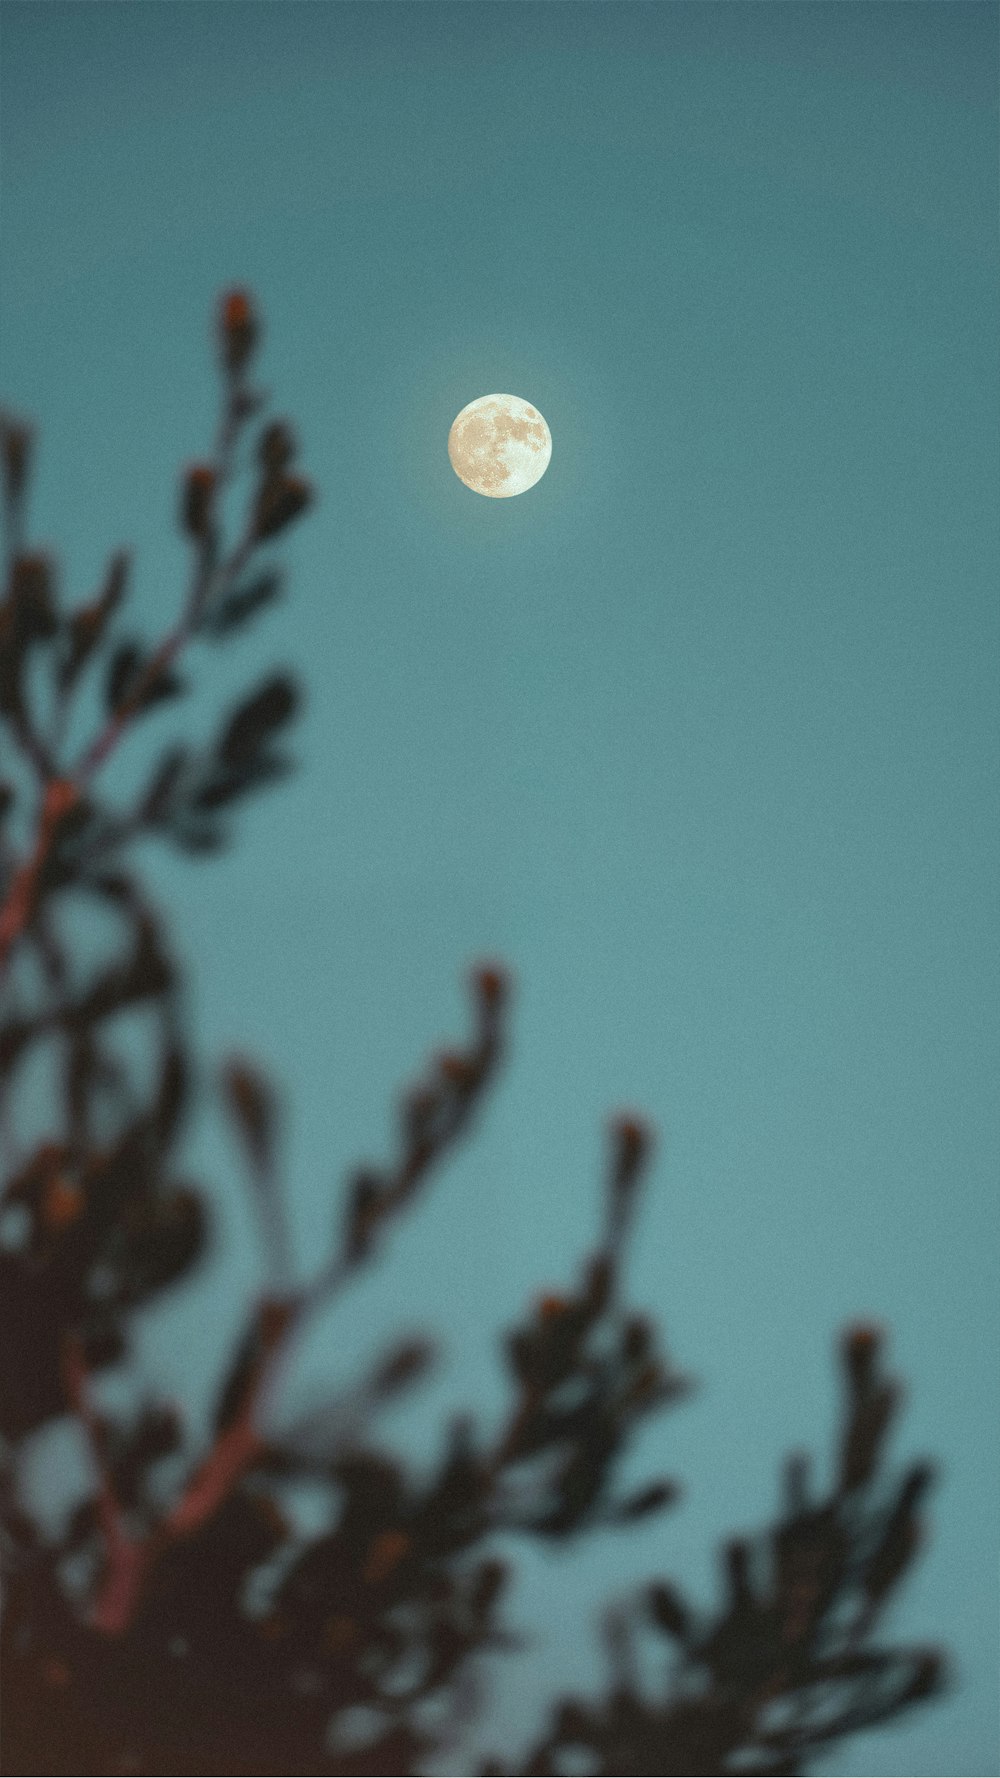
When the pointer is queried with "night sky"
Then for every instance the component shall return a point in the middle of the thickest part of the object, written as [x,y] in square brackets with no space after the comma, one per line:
[699,734]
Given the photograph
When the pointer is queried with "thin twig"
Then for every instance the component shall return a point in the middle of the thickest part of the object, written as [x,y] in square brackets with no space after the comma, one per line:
[126,1556]
[60,796]
[61,793]
[278,1321]
[162,659]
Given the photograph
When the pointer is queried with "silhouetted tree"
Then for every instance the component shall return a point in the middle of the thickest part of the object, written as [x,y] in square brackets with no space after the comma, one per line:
[176,1624]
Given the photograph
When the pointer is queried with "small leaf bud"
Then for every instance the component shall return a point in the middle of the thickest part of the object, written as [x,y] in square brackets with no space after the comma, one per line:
[238,328]
[199,492]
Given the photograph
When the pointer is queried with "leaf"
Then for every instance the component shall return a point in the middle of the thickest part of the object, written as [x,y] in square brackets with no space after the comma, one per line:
[409,1360]
[86,627]
[276,447]
[280,499]
[127,685]
[172,1096]
[32,598]
[83,1523]
[165,1249]
[241,1378]
[166,684]
[239,329]
[646,1501]
[115,887]
[157,1433]
[15,446]
[669,1612]
[144,976]
[226,786]
[123,672]
[491,1578]
[154,810]
[232,612]
[75,826]
[247,402]
[197,500]
[254,721]
[251,1104]
[364,1210]
[865,1434]
[27,616]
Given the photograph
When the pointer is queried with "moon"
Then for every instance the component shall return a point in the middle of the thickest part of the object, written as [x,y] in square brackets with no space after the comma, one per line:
[499,445]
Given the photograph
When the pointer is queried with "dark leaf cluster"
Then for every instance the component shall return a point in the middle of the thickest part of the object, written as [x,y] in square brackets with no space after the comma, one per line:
[179,1620]
[785,1664]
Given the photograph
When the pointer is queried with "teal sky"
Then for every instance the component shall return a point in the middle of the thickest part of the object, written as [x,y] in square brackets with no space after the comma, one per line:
[700,734]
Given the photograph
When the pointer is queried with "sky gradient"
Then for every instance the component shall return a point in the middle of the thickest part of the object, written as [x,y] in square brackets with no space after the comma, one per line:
[699,734]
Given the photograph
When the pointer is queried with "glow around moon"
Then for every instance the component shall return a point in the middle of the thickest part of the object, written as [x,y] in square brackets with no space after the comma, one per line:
[499,445]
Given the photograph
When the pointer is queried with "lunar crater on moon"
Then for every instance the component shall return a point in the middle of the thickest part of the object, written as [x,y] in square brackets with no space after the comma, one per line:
[499,445]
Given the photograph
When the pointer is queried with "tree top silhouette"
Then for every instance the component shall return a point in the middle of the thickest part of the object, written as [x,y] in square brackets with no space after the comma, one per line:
[178,1622]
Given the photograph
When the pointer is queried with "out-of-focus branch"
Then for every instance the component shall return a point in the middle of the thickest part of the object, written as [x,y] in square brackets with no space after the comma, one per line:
[280,497]
[443,1107]
[126,1556]
[17,440]
[782,1669]
[60,796]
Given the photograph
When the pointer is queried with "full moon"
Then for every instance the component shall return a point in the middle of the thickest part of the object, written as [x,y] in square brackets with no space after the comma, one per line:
[499,445]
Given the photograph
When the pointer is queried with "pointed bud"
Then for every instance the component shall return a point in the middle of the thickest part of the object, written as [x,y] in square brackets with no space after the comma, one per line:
[33,598]
[736,1560]
[489,1583]
[251,1102]
[796,1484]
[930,1676]
[197,501]
[648,1500]
[409,1361]
[598,1280]
[276,447]
[865,1434]
[365,1209]
[491,984]
[633,1140]
[631,1143]
[669,1611]
[861,1345]
[16,438]
[639,1331]
[238,329]
[417,1114]
[456,1069]
[551,1307]
[280,500]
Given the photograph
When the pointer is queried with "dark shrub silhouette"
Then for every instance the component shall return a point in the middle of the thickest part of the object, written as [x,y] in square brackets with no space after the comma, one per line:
[175,1624]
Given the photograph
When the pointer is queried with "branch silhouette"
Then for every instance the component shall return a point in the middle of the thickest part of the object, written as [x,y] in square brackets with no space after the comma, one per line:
[178,1623]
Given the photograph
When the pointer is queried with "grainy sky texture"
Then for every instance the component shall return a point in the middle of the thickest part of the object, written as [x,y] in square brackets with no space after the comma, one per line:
[700,734]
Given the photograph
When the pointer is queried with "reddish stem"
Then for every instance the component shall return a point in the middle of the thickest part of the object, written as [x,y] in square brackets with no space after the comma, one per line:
[60,795]
[231,1455]
[130,1559]
[127,1557]
[240,1443]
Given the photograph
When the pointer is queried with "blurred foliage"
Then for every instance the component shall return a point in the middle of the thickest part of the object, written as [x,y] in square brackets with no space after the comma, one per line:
[185,1626]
